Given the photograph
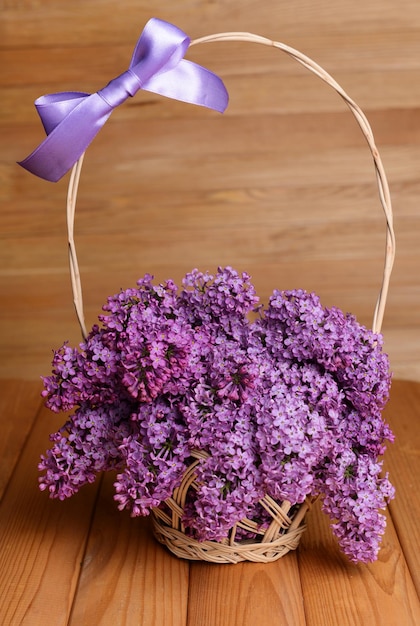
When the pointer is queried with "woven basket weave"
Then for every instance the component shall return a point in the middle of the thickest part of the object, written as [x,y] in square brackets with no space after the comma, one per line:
[287,524]
[276,539]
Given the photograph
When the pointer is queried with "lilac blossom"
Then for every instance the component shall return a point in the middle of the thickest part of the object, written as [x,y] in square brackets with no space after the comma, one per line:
[287,405]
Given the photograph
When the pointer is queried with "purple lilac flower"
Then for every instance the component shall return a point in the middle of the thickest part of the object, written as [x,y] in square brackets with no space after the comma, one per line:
[87,444]
[289,405]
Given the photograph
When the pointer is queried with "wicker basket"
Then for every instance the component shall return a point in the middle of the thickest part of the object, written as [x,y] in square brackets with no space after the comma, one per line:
[287,524]
[277,538]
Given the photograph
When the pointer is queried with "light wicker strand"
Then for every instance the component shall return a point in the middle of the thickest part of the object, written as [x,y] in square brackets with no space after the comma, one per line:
[74,265]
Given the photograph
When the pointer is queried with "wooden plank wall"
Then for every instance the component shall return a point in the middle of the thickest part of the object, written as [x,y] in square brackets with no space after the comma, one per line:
[282,185]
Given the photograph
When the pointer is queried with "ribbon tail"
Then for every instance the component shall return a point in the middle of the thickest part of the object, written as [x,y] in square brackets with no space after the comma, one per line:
[192,83]
[68,140]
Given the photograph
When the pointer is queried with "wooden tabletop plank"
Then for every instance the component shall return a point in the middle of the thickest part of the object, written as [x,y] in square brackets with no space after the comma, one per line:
[402,460]
[338,592]
[246,594]
[19,402]
[384,591]
[127,577]
[41,541]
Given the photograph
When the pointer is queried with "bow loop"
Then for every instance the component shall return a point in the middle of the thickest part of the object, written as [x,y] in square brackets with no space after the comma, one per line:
[161,46]
[72,119]
[54,108]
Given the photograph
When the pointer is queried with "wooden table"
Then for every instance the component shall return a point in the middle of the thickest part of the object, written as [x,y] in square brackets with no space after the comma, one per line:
[81,562]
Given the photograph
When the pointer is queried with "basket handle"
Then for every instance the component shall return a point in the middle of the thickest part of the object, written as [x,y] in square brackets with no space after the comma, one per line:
[382,183]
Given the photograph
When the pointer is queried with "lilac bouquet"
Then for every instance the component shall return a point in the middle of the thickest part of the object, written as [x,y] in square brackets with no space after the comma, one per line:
[286,403]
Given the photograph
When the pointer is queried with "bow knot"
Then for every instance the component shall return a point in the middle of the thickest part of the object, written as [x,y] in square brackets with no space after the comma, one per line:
[72,119]
[120,88]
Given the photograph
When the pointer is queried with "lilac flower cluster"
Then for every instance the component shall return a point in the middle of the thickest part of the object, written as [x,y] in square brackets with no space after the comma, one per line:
[286,404]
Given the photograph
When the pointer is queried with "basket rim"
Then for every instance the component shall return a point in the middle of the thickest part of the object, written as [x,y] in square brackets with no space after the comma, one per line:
[281,533]
[189,548]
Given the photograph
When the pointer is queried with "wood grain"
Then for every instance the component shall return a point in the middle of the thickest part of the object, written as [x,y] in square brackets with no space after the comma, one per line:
[83,562]
[377,594]
[41,541]
[402,460]
[17,402]
[282,185]
[127,577]
[252,593]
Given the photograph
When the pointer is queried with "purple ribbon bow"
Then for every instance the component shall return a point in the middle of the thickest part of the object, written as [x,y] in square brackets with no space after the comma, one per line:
[72,119]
